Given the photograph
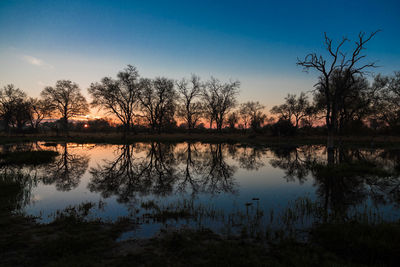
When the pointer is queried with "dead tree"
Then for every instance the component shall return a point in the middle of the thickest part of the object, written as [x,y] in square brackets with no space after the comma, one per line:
[338,71]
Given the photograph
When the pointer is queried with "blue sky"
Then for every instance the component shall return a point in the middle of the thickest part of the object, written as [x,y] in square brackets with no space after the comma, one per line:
[256,42]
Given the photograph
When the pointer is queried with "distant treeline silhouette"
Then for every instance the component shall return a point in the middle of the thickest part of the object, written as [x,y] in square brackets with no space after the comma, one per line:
[343,101]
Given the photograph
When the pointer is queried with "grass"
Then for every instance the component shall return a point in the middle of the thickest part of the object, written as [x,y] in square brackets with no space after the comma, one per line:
[27,157]
[74,240]
[359,242]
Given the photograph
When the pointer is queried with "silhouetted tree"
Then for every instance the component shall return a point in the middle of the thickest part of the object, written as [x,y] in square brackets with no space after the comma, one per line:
[21,113]
[118,97]
[190,110]
[294,109]
[12,102]
[283,127]
[219,99]
[39,110]
[387,103]
[244,115]
[66,99]
[157,101]
[355,106]
[340,64]
[251,112]
[233,118]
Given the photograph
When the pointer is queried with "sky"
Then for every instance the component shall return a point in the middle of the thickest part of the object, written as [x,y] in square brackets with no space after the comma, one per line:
[255,42]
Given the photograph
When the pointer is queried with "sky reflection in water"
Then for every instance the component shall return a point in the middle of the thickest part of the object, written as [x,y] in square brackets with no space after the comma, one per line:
[119,178]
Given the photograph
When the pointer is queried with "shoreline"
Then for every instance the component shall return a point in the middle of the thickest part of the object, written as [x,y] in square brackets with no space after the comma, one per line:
[231,138]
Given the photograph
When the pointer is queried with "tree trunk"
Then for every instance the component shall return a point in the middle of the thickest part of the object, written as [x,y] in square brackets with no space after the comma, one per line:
[65,124]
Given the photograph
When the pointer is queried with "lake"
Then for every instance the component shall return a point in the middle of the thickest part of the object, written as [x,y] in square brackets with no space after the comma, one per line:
[219,186]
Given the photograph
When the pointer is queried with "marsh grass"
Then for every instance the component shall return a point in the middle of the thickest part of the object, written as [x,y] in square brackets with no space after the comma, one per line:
[73,239]
[252,222]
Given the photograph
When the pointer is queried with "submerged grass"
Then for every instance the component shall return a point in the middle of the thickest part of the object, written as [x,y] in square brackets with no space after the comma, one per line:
[71,240]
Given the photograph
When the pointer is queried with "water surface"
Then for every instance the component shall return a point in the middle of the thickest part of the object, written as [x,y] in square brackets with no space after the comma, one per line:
[220,180]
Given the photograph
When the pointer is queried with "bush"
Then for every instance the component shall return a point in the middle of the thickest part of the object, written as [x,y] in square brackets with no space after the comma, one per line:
[283,128]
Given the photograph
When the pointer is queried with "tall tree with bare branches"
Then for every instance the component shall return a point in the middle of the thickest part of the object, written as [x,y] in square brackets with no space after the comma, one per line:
[66,100]
[118,97]
[294,109]
[338,70]
[220,98]
[190,110]
[252,115]
[39,109]
[157,102]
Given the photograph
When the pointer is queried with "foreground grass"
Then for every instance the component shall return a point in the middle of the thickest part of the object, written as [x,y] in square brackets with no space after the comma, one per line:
[71,242]
[74,240]
[261,139]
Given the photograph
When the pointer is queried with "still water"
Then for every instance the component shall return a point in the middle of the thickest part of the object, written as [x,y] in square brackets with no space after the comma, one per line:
[220,181]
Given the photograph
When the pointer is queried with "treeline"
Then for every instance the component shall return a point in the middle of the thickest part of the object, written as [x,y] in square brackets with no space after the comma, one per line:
[343,101]
[141,104]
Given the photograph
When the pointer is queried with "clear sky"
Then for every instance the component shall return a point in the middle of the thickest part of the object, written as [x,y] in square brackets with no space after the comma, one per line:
[256,42]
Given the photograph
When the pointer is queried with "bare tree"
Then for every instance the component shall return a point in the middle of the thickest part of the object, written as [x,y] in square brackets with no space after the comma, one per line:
[39,110]
[157,101]
[219,99]
[189,110]
[118,97]
[245,116]
[294,109]
[252,115]
[21,113]
[386,106]
[337,62]
[66,99]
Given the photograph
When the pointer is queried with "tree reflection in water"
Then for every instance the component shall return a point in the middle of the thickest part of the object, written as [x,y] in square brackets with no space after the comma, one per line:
[250,158]
[190,157]
[67,169]
[344,181]
[131,173]
[347,178]
[163,170]
[217,174]
[15,188]
[295,161]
